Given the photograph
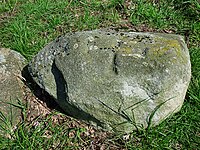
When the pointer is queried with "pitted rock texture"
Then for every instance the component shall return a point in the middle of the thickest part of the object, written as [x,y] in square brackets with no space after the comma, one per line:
[119,81]
[11,86]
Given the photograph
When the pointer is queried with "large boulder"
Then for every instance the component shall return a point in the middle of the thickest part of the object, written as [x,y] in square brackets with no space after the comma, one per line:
[117,80]
[11,87]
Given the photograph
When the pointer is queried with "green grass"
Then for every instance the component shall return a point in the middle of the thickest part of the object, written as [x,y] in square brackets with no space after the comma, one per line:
[28,25]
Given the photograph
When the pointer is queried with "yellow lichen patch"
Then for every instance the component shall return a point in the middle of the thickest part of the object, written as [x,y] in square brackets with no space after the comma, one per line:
[126,50]
[167,48]
[172,44]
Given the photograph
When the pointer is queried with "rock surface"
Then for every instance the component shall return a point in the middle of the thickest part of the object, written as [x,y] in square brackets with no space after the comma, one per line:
[117,80]
[11,86]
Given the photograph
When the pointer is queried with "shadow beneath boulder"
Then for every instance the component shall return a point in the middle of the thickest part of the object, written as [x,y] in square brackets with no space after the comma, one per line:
[62,97]
[39,92]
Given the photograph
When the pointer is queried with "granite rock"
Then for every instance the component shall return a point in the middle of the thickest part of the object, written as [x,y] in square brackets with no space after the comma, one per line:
[119,81]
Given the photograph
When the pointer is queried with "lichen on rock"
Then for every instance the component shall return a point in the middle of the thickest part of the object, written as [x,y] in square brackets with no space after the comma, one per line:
[115,80]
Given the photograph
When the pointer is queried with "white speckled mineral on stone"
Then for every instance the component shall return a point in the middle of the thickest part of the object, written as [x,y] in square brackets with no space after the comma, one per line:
[2,59]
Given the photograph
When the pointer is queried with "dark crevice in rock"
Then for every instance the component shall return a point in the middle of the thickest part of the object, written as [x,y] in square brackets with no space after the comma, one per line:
[115,69]
[72,110]
[145,51]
